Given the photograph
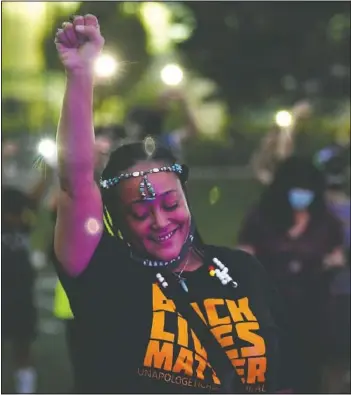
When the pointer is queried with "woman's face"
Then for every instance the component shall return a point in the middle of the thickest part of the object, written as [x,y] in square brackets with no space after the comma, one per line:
[158,227]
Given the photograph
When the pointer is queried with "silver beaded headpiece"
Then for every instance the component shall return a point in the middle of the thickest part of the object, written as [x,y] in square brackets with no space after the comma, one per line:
[145,187]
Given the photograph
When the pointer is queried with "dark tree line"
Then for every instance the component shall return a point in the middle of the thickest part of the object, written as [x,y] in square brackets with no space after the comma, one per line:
[124,35]
[248,48]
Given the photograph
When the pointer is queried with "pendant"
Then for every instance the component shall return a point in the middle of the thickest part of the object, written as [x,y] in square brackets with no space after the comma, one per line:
[183,284]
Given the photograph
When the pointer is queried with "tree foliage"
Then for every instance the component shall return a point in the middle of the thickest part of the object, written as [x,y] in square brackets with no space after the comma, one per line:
[250,48]
[124,35]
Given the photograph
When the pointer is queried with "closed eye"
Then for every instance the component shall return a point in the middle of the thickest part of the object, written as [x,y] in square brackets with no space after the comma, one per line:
[139,216]
[170,207]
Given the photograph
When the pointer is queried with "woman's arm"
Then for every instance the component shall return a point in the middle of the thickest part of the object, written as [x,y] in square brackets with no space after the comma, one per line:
[79,206]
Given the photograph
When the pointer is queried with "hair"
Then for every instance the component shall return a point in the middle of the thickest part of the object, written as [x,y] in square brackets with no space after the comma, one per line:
[150,120]
[127,156]
[295,172]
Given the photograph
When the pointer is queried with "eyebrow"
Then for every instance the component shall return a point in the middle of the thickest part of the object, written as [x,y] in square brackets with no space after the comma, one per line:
[161,194]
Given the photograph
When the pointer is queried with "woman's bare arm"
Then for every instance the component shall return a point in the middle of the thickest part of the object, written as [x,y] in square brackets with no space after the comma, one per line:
[79,207]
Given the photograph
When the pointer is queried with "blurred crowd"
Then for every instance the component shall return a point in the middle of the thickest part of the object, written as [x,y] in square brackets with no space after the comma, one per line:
[299,230]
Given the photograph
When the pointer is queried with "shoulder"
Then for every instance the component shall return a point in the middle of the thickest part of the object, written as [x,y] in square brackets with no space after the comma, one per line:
[109,249]
[102,263]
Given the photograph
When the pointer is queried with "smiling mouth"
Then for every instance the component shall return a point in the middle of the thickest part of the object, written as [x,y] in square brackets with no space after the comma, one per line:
[163,239]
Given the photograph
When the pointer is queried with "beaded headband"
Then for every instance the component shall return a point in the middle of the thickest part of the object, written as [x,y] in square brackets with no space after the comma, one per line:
[145,187]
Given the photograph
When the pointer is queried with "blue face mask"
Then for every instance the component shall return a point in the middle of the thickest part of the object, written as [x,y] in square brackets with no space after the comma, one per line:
[300,199]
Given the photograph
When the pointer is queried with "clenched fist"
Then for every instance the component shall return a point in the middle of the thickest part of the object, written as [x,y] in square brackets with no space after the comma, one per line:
[79,43]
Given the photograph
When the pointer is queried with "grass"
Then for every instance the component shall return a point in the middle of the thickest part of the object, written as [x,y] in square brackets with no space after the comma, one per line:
[219,207]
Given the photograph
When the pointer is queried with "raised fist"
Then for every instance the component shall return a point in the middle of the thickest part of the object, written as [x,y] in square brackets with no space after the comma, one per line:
[79,43]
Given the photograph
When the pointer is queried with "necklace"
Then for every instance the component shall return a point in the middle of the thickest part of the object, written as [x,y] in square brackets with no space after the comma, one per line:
[181,279]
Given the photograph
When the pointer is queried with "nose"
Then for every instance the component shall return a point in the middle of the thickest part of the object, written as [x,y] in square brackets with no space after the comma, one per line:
[160,219]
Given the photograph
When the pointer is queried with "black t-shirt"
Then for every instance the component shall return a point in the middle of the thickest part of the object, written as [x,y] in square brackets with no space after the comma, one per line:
[133,340]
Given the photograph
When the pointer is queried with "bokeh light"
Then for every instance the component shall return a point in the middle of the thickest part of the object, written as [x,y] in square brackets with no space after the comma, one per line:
[172,75]
[92,226]
[47,149]
[156,18]
[283,119]
[149,145]
[106,66]
[30,10]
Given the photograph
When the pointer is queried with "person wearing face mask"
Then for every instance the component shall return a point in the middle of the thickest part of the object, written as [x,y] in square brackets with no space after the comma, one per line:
[292,232]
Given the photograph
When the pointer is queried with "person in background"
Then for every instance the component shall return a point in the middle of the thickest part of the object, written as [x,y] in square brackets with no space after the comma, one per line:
[18,311]
[9,166]
[294,235]
[144,121]
[334,161]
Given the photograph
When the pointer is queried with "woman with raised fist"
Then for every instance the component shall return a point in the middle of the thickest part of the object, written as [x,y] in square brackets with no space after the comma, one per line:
[156,309]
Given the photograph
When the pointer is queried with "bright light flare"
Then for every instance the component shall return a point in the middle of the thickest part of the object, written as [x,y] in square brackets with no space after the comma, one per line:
[47,149]
[154,12]
[283,119]
[172,75]
[106,66]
